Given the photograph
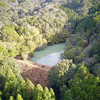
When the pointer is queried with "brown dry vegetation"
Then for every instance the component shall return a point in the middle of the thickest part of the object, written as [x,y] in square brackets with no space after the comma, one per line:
[35,72]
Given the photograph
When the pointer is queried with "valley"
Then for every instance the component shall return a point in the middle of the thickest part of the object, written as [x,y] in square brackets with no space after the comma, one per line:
[62,38]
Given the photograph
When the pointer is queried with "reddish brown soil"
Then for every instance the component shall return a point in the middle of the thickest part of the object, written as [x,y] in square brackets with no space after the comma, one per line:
[35,72]
[84,49]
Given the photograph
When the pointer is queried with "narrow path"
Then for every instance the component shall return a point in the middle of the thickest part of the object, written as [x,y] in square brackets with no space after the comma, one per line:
[35,72]
[84,49]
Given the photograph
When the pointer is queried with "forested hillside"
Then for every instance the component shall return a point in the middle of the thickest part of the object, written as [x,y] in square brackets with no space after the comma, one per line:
[81,80]
[29,25]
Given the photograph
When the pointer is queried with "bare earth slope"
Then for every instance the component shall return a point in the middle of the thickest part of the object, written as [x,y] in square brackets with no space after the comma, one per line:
[35,72]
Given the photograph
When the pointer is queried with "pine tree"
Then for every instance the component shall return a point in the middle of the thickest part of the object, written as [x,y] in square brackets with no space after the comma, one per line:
[81,43]
[22,86]
[46,94]
[29,89]
[11,83]
[52,94]
[0,95]
[19,97]
[11,98]
[38,93]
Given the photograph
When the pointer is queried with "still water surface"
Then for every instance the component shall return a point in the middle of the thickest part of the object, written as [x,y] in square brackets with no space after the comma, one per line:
[50,55]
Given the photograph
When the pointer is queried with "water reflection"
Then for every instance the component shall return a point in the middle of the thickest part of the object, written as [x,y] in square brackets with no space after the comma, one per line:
[51,59]
[50,55]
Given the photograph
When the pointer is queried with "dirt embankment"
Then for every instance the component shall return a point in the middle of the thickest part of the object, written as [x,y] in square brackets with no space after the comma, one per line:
[35,72]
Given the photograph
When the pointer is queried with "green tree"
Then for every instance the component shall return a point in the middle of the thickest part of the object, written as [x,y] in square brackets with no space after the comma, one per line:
[11,98]
[4,63]
[0,98]
[29,90]
[38,93]
[67,95]
[52,94]
[24,50]
[46,94]
[80,43]
[3,50]
[21,88]
[14,1]
[3,4]
[9,30]
[19,97]
[59,74]
[10,84]
[1,95]
[83,86]
[31,45]
[88,35]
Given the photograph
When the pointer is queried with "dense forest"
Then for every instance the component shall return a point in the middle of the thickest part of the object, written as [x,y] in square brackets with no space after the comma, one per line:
[29,25]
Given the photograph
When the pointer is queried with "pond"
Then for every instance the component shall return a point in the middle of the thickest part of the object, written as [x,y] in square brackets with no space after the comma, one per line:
[49,56]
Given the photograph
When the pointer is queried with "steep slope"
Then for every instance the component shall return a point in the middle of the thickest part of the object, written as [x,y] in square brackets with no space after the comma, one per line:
[34,72]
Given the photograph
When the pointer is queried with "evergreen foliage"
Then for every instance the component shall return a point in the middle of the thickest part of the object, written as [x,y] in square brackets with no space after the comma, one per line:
[4,63]
[60,74]
[27,25]
[29,90]
[83,86]
[18,89]
[11,98]
[19,97]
